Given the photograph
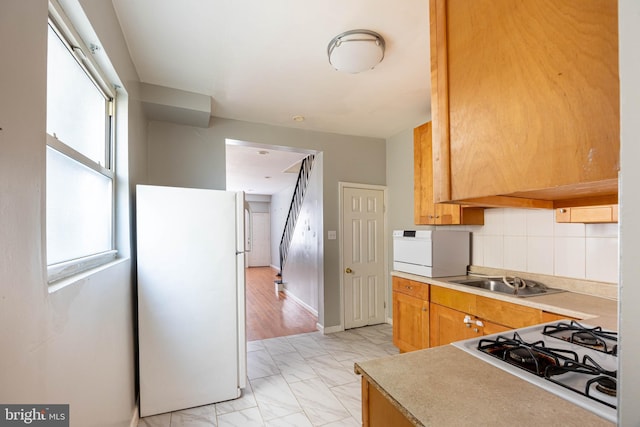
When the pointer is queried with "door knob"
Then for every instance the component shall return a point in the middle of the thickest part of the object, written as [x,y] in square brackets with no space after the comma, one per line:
[348,270]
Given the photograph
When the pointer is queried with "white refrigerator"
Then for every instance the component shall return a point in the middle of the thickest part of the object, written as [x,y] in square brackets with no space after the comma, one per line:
[191,297]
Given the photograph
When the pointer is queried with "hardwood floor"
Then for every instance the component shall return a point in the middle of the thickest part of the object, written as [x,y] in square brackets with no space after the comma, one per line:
[271,314]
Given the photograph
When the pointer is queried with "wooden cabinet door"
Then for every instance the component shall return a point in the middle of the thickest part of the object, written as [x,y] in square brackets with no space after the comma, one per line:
[410,322]
[525,100]
[426,212]
[447,325]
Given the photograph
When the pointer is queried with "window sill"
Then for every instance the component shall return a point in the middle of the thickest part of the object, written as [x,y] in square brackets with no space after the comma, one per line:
[80,277]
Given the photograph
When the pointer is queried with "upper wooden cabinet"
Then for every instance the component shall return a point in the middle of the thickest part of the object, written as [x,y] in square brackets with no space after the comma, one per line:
[588,214]
[525,102]
[427,212]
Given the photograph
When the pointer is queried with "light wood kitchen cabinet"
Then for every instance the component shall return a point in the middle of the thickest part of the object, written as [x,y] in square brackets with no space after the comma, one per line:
[378,411]
[429,315]
[426,212]
[525,102]
[410,314]
[588,214]
[447,325]
[456,315]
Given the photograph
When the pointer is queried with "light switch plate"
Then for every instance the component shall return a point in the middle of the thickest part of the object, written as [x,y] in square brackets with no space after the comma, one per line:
[331,235]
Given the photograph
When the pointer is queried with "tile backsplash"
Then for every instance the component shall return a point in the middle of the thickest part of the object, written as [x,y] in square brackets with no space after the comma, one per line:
[531,241]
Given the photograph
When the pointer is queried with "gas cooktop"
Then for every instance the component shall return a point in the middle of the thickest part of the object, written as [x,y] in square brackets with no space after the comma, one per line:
[574,361]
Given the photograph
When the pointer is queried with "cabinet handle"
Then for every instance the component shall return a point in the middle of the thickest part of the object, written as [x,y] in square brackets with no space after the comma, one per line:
[409,287]
[475,329]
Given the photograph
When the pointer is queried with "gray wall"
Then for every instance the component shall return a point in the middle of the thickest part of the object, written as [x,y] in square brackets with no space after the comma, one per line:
[194,157]
[280,203]
[629,375]
[74,345]
[302,273]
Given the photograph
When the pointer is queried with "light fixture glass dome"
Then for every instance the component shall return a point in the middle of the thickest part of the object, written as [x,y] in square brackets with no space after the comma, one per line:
[356,51]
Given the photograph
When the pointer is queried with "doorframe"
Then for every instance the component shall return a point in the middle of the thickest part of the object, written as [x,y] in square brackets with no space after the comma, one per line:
[385,256]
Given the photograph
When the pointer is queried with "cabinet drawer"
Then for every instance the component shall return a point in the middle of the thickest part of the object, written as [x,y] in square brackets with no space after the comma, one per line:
[410,287]
[588,214]
[506,313]
[456,300]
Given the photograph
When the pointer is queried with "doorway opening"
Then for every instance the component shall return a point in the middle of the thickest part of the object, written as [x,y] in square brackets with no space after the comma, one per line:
[267,174]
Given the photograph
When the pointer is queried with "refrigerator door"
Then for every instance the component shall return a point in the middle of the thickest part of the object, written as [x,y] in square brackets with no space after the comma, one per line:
[187,298]
[241,285]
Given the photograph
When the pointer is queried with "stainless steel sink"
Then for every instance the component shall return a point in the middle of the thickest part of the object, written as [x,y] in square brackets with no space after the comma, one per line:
[516,286]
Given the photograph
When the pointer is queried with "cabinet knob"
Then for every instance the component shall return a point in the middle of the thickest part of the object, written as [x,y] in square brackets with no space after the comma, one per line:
[424,308]
[475,329]
[563,210]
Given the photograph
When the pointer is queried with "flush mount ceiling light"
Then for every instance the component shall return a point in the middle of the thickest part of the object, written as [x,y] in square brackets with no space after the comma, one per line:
[355,51]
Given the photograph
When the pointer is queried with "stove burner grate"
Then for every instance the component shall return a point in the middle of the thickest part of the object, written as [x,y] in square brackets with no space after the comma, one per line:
[531,357]
[602,382]
[594,338]
[607,386]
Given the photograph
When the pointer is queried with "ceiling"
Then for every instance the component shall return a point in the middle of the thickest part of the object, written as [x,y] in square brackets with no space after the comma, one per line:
[258,169]
[266,61]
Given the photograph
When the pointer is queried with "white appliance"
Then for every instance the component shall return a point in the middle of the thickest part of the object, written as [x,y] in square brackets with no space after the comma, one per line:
[574,361]
[432,253]
[191,297]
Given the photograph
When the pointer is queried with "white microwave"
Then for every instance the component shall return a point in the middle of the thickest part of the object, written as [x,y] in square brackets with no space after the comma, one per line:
[432,253]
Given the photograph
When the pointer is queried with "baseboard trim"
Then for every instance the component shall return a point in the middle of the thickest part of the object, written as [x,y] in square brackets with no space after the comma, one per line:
[330,329]
[135,419]
[302,303]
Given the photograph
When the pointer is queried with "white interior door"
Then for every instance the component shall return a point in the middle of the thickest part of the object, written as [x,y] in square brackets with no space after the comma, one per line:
[260,254]
[363,256]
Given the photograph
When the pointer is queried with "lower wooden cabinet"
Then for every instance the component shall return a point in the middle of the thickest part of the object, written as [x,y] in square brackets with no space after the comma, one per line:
[447,326]
[410,314]
[430,315]
[378,411]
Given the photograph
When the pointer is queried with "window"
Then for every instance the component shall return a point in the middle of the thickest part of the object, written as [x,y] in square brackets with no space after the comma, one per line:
[80,169]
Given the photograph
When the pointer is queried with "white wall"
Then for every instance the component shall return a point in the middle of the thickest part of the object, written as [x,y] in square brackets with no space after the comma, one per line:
[629,372]
[75,345]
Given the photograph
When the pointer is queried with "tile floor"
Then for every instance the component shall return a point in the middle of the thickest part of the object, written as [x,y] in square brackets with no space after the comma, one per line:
[300,381]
